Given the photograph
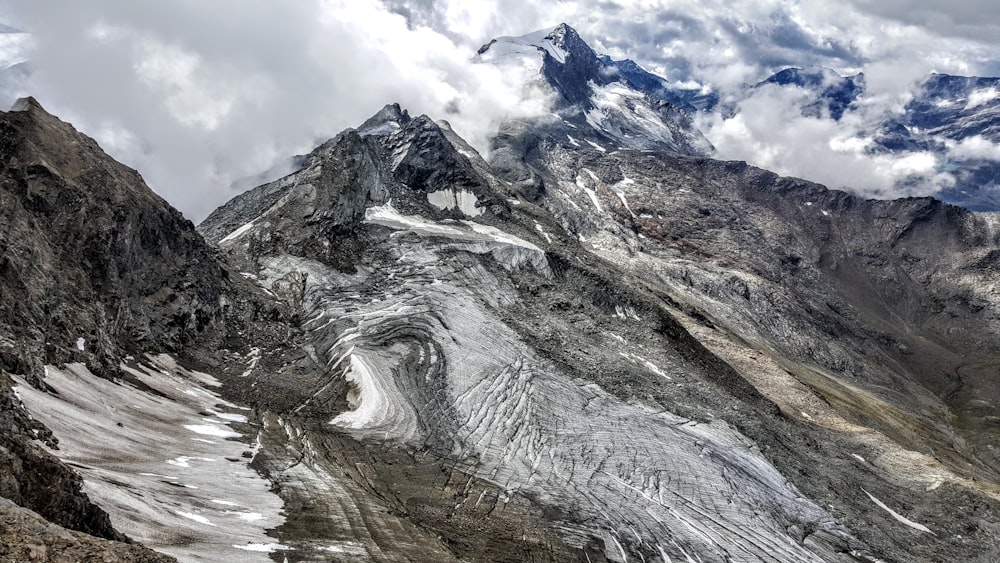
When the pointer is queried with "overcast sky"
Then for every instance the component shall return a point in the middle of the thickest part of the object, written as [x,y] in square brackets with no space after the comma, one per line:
[196,94]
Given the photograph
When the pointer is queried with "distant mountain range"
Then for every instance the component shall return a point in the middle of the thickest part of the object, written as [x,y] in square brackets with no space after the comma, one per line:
[954,118]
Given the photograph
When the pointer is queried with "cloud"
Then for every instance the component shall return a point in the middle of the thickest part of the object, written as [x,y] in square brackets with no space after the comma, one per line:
[973,148]
[197,94]
[770,131]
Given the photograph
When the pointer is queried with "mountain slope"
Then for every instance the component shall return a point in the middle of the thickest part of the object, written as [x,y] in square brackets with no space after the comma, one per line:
[99,275]
[885,310]
[598,345]
[481,342]
[93,266]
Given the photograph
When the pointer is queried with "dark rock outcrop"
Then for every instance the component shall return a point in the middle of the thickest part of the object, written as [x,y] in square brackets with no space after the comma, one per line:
[93,264]
[27,536]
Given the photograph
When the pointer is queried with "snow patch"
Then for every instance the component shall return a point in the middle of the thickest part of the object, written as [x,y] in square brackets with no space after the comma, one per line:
[592,195]
[210,430]
[626,312]
[366,400]
[529,46]
[647,364]
[228,417]
[238,232]
[346,548]
[263,547]
[899,517]
[80,343]
[153,472]
[463,200]
[540,229]
[247,516]
[252,360]
[469,231]
[196,517]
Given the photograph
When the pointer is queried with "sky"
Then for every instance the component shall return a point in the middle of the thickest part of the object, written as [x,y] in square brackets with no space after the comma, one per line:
[197,95]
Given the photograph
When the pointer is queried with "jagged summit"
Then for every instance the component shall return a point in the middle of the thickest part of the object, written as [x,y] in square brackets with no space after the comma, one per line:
[420,166]
[564,36]
[389,118]
[565,60]
[602,102]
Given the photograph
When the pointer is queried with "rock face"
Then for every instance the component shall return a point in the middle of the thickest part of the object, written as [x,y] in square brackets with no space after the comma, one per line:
[94,264]
[26,536]
[33,478]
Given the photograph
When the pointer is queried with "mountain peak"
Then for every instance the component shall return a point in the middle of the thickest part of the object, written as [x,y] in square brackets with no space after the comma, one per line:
[26,104]
[833,91]
[564,36]
[388,119]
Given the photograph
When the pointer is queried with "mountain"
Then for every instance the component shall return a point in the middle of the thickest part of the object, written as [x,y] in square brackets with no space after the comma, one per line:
[832,94]
[137,277]
[466,326]
[94,266]
[589,346]
[596,101]
[958,119]
[690,99]
[99,279]
[950,118]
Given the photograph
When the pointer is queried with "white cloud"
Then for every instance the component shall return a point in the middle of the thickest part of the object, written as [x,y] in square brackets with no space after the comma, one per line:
[196,94]
[769,131]
[974,148]
[980,97]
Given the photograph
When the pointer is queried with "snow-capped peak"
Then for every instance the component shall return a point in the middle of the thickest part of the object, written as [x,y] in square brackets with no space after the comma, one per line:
[557,43]
[528,51]
[594,94]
